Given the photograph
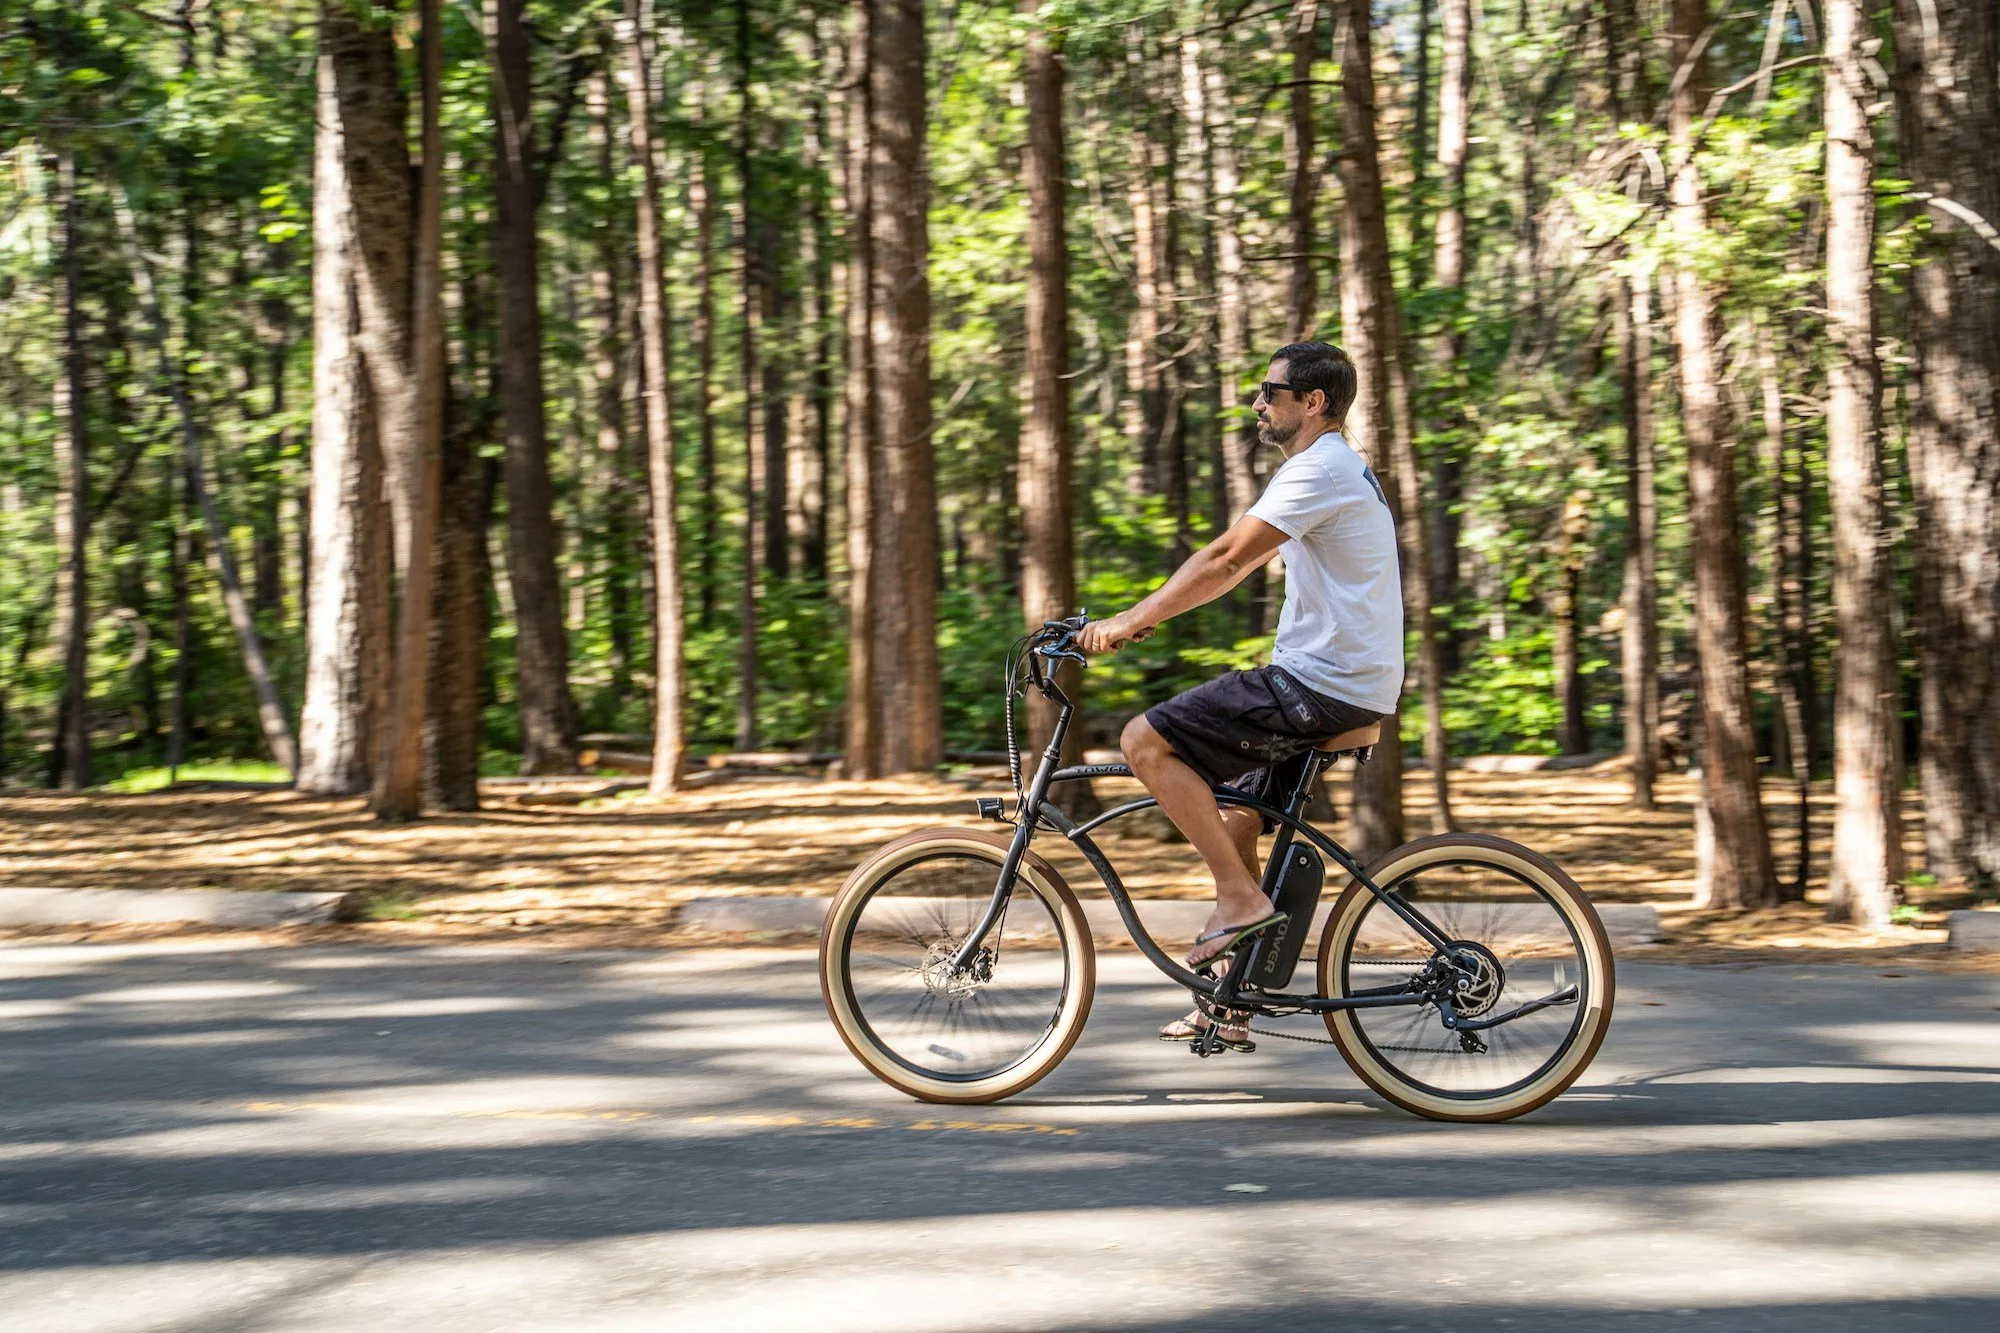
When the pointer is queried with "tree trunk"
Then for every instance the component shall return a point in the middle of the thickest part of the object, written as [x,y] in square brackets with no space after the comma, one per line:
[1048,566]
[1867,689]
[458,629]
[1448,272]
[1949,121]
[1572,732]
[1301,170]
[906,570]
[670,689]
[1144,369]
[347,585]
[178,561]
[814,443]
[69,748]
[608,371]
[268,566]
[1867,769]
[548,716]
[863,712]
[1415,538]
[1197,193]
[461,623]
[1369,329]
[772,312]
[1232,354]
[267,577]
[1420,126]
[701,202]
[413,448]
[1790,753]
[1640,644]
[1741,873]
[749,277]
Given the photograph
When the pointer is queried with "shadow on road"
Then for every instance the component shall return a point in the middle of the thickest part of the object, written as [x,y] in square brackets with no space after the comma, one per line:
[198,1103]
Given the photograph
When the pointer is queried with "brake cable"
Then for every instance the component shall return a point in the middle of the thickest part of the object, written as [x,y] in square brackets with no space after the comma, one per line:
[1015,656]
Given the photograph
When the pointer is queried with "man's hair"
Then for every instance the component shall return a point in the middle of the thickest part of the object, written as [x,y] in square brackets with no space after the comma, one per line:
[1322,366]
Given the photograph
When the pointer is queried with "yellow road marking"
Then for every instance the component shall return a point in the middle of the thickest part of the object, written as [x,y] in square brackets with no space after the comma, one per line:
[758,1120]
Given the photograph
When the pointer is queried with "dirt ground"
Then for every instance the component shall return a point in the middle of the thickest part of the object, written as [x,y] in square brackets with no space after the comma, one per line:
[614,870]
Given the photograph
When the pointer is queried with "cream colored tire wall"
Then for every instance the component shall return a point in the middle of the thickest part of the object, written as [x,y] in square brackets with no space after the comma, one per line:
[1036,876]
[1570,901]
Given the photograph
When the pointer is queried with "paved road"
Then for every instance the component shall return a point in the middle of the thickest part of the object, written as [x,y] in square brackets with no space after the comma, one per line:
[220,1138]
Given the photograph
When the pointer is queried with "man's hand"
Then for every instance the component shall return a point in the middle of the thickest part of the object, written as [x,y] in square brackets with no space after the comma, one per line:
[1108,636]
[1202,577]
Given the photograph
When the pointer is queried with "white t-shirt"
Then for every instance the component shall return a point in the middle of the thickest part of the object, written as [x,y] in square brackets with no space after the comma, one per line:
[1341,632]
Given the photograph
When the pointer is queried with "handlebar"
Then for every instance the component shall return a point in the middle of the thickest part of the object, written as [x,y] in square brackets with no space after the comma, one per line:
[1054,642]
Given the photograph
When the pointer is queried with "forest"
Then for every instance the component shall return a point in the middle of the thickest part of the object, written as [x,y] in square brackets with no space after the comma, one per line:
[394,393]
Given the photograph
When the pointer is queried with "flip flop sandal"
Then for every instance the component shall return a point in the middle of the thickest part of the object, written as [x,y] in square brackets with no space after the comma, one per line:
[1231,937]
[1196,1023]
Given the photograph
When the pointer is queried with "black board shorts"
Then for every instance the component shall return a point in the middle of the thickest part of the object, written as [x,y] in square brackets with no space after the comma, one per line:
[1252,730]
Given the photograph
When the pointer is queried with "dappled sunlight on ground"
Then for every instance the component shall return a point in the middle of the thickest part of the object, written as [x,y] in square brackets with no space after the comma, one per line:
[625,863]
[221,1136]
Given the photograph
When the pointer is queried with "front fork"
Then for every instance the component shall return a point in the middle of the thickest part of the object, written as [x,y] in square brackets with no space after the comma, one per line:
[1026,817]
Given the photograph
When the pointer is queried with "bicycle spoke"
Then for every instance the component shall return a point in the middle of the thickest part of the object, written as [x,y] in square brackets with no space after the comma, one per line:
[1507,934]
[965,1024]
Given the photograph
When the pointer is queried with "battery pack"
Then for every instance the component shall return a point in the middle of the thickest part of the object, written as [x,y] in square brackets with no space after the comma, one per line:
[1299,882]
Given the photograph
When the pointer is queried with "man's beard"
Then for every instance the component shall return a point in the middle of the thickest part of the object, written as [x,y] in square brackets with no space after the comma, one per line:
[1270,432]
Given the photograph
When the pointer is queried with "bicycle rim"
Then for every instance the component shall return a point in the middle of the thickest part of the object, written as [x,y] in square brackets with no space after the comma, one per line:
[969,1027]
[1534,955]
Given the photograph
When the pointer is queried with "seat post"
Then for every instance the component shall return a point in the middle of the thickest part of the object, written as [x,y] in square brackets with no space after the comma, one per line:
[1316,762]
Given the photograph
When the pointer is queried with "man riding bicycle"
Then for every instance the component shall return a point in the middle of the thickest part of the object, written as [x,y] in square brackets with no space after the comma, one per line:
[1337,663]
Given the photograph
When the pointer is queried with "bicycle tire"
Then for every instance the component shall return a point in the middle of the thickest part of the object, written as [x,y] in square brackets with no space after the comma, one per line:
[848,1010]
[1379,1068]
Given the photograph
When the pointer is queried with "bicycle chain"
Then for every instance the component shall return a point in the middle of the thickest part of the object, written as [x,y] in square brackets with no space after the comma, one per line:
[1328,1041]
[1325,1041]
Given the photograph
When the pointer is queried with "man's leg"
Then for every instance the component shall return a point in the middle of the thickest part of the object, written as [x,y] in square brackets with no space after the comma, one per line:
[1245,827]
[1191,805]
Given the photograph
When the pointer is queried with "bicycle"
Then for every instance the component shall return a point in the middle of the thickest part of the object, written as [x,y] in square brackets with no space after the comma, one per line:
[1461,976]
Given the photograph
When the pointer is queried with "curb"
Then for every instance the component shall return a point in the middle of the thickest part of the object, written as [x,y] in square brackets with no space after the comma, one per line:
[1974,932]
[1166,919]
[213,907]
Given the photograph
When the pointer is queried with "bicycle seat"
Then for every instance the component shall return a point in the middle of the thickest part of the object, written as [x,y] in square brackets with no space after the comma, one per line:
[1358,739]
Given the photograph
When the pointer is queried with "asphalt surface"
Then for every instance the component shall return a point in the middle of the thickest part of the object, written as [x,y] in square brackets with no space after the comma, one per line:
[217,1138]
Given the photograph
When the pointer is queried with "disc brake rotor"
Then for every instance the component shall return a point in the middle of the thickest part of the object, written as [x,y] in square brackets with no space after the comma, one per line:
[955,984]
[1481,979]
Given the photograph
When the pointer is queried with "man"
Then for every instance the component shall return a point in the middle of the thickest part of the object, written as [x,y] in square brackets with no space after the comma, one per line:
[1337,663]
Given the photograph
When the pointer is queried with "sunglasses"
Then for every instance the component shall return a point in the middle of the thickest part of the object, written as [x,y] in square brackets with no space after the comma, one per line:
[1270,389]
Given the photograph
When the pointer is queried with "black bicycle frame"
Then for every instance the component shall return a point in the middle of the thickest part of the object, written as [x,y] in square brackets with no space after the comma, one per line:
[1034,812]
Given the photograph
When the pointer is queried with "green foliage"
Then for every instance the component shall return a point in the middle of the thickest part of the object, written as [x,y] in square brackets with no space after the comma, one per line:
[136,780]
[212,138]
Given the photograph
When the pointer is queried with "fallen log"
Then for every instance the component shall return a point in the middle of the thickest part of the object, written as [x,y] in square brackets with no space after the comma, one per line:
[613,749]
[624,761]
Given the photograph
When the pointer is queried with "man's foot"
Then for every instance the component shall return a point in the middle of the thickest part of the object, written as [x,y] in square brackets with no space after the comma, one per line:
[1233,1031]
[1212,944]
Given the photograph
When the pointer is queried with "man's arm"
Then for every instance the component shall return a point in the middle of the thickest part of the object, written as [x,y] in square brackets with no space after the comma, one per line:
[1203,577]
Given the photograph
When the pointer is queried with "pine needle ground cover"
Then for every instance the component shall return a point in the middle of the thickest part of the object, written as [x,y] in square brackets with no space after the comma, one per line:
[615,871]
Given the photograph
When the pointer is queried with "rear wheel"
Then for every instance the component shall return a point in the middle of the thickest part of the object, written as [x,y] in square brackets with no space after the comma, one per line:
[975,1035]
[1525,942]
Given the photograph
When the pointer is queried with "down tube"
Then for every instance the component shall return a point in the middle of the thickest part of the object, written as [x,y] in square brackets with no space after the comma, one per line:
[1127,913]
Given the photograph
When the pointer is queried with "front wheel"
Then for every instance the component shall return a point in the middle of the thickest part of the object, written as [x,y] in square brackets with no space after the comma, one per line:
[978,1034]
[1527,949]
